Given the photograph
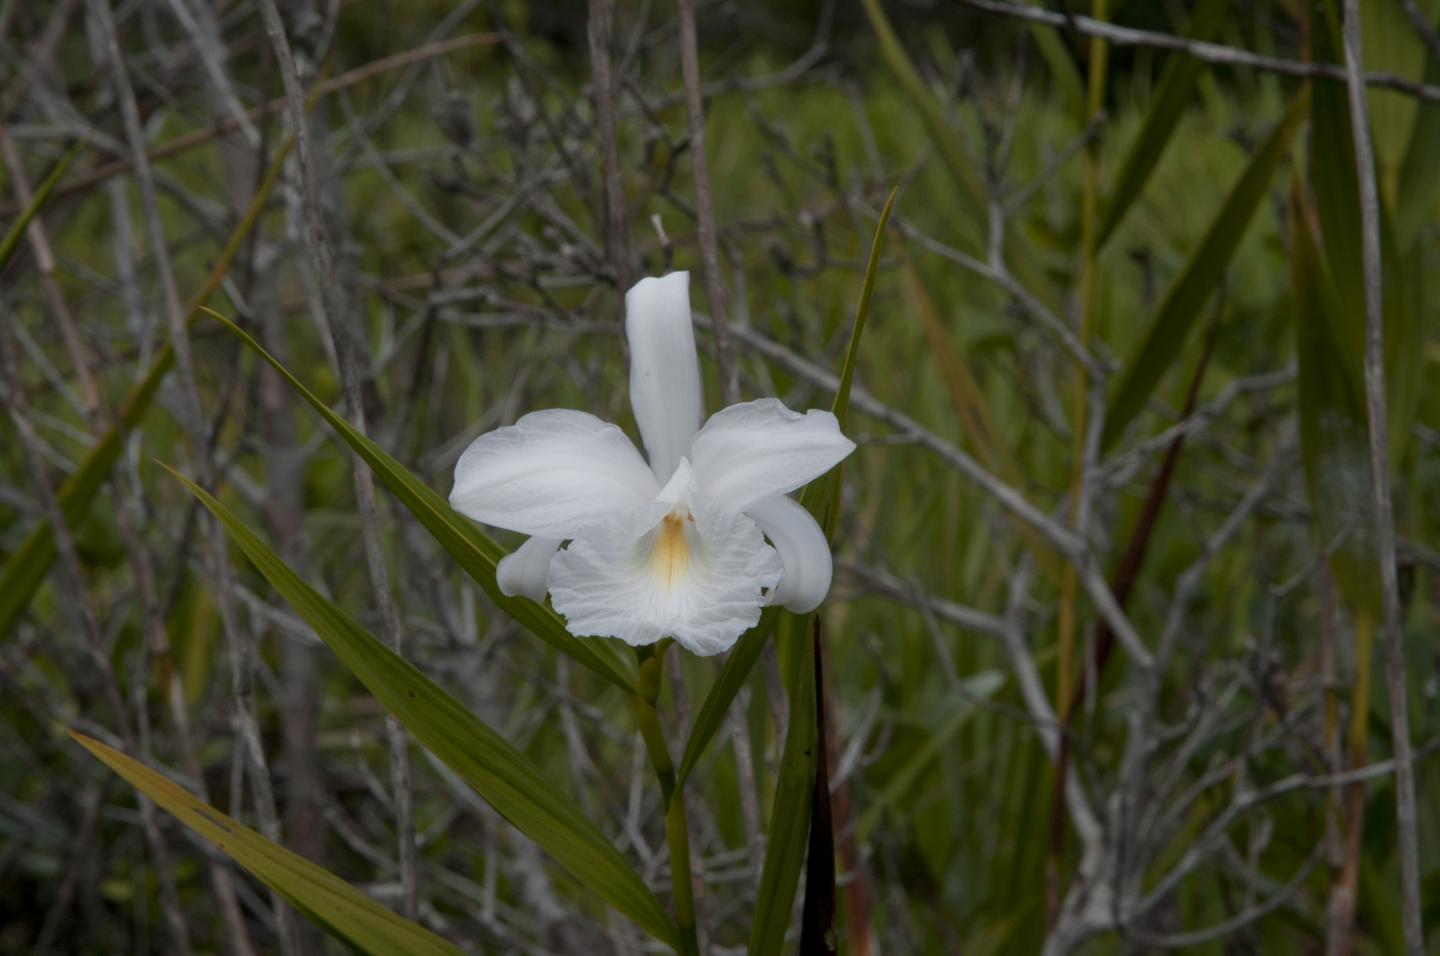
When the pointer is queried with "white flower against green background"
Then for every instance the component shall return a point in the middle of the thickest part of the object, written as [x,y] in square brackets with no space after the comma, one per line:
[676,548]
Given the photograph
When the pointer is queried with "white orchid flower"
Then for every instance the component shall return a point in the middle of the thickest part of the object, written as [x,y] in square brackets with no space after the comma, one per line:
[676,548]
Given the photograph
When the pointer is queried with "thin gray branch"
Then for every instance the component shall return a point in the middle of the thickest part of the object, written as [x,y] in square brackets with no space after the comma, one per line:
[1209,52]
[1408,831]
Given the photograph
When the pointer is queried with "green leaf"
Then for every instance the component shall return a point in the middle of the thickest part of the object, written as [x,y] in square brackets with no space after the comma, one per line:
[1165,338]
[502,775]
[26,568]
[1332,171]
[1418,184]
[11,240]
[790,819]
[476,552]
[733,674]
[1334,434]
[343,911]
[1336,191]
[1177,85]
[736,669]
[841,405]
[789,831]
[1387,38]
[1404,292]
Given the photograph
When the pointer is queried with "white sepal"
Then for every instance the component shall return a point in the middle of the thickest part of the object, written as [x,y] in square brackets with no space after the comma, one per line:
[556,473]
[664,369]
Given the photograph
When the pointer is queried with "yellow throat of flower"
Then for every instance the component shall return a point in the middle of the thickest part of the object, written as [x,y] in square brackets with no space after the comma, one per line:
[671,558]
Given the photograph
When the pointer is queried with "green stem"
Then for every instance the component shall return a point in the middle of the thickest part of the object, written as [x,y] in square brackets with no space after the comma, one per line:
[677,827]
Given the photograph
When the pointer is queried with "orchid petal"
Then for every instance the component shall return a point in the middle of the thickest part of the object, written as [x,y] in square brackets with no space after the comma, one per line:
[523,572]
[701,582]
[556,474]
[754,451]
[803,550]
[664,368]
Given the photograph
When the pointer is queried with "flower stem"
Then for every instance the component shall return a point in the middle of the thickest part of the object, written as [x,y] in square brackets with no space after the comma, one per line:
[677,827]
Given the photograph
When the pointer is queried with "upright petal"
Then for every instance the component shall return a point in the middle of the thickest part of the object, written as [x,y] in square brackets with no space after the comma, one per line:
[556,474]
[664,369]
[523,571]
[700,581]
[803,551]
[756,450]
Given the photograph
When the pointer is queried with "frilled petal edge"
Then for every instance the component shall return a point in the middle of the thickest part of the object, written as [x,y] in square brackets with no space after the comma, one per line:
[701,582]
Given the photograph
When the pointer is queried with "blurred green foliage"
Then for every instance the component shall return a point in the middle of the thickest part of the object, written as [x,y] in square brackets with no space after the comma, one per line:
[949,801]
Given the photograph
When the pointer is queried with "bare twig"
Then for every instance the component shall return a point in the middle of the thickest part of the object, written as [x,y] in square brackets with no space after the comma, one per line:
[192,416]
[1422,26]
[602,91]
[72,578]
[346,80]
[705,204]
[1209,52]
[337,316]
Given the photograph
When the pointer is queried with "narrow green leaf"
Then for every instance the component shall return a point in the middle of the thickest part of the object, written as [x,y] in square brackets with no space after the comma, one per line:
[26,568]
[733,674]
[1332,170]
[1418,184]
[1336,191]
[11,240]
[503,776]
[1334,434]
[736,669]
[476,552]
[841,405]
[1388,38]
[343,911]
[1177,85]
[1174,318]
[789,832]
[1404,290]
[790,819]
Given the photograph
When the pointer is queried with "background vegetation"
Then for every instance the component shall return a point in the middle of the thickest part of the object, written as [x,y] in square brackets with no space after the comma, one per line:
[1114,465]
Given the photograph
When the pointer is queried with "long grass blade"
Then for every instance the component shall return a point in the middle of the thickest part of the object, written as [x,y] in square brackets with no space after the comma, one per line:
[11,240]
[746,652]
[790,820]
[499,773]
[343,911]
[1175,317]
[1177,85]
[1418,183]
[477,553]
[1334,436]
